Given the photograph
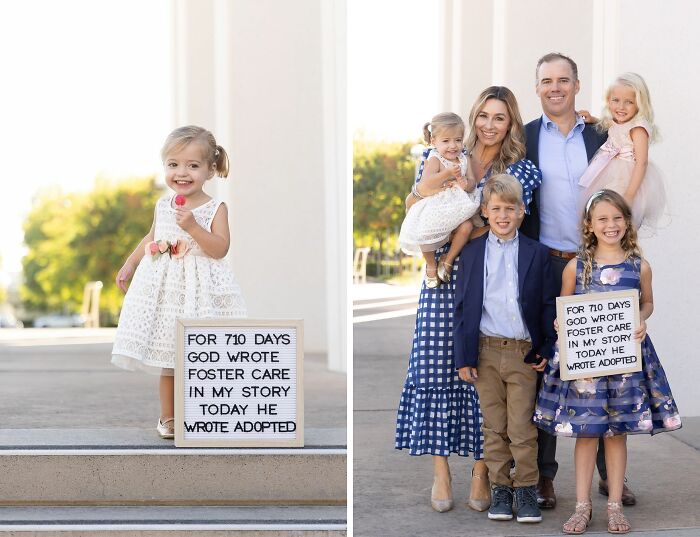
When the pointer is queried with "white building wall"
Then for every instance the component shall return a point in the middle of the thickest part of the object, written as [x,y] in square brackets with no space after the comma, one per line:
[256,73]
[500,42]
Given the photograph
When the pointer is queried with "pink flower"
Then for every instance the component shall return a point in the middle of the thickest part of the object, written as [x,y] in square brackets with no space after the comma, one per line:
[610,276]
[152,248]
[179,249]
[671,422]
[163,246]
[180,200]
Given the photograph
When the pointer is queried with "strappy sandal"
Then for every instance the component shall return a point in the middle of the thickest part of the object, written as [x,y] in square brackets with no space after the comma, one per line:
[444,271]
[431,282]
[578,522]
[616,519]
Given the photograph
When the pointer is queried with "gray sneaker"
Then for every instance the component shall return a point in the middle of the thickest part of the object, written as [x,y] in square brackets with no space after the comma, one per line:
[501,503]
[525,505]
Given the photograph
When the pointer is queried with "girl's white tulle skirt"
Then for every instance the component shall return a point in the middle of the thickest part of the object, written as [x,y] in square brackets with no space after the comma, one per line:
[430,221]
[649,205]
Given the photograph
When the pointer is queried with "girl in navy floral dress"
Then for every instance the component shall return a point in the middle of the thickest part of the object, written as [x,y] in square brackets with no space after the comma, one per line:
[439,413]
[615,405]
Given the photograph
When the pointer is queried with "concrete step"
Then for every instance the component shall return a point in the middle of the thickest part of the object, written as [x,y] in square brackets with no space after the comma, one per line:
[131,466]
[212,521]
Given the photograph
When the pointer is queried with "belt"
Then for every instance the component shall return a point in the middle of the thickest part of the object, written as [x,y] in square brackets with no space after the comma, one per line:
[559,253]
[495,342]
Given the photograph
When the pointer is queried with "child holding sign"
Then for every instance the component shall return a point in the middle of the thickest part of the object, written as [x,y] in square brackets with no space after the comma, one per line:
[615,405]
[178,267]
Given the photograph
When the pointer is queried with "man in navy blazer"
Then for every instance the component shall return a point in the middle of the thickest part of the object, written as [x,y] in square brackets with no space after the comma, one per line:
[503,330]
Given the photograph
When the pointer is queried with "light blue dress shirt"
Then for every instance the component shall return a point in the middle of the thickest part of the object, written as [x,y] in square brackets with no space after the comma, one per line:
[562,160]
[501,315]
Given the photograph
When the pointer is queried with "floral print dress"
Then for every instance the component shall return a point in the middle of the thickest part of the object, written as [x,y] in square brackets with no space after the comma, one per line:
[631,403]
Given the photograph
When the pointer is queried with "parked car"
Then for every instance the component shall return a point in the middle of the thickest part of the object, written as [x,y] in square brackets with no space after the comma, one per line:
[59,321]
[7,320]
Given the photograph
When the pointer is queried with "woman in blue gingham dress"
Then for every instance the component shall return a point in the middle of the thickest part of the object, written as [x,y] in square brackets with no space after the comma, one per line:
[439,413]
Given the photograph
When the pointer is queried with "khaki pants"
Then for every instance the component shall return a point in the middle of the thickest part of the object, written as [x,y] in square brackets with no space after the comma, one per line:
[507,388]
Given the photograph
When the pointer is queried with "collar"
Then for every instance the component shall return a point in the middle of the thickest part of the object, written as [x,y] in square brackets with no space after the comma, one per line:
[495,240]
[548,124]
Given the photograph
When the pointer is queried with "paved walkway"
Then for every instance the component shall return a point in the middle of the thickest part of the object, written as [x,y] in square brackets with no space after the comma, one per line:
[62,378]
[392,489]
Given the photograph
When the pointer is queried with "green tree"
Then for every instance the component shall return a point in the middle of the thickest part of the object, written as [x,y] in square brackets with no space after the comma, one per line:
[76,238]
[383,173]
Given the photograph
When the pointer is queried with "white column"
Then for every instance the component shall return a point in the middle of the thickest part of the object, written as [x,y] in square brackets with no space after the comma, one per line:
[338,179]
[267,78]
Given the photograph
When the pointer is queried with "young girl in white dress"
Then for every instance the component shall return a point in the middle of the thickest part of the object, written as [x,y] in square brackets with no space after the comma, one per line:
[178,267]
[622,164]
[430,222]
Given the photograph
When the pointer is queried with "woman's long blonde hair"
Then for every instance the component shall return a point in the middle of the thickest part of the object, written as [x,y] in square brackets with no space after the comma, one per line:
[589,241]
[513,146]
[643,98]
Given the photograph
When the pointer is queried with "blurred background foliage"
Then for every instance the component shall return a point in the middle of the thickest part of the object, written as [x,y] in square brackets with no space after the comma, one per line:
[383,173]
[73,238]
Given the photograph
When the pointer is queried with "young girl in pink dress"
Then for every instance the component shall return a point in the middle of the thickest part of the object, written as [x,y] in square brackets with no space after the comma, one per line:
[622,164]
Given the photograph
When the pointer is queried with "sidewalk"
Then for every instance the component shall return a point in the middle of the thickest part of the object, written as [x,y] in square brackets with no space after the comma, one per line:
[62,378]
[392,489]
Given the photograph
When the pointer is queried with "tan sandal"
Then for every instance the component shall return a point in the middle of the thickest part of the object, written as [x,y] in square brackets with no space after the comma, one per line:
[444,271]
[578,522]
[480,489]
[617,521]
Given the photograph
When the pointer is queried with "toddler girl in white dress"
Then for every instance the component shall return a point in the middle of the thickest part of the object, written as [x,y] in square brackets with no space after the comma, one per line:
[430,222]
[178,268]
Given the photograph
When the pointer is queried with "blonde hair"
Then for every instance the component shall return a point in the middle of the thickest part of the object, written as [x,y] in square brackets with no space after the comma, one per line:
[445,120]
[505,186]
[589,241]
[212,153]
[643,98]
[513,145]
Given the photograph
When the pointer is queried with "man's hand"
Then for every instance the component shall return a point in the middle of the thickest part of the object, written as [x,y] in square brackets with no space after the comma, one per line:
[539,367]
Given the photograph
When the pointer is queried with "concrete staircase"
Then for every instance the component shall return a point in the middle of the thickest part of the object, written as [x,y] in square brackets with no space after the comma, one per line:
[126,481]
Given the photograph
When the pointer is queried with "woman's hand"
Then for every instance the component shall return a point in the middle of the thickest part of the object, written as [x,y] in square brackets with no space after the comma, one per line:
[556,325]
[124,275]
[468,374]
[185,219]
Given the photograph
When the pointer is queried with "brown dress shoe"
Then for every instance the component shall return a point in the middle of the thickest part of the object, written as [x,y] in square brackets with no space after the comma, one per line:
[546,498]
[628,497]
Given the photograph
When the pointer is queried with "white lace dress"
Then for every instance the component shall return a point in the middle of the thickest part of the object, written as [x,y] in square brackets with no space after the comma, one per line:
[166,288]
[430,221]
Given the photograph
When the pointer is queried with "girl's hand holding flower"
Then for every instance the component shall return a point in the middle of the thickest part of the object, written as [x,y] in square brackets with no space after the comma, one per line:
[185,219]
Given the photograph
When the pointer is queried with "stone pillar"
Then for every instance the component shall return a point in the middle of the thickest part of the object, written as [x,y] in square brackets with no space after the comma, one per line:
[268,78]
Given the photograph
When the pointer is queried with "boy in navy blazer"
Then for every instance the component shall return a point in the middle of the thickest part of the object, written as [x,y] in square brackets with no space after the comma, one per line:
[503,336]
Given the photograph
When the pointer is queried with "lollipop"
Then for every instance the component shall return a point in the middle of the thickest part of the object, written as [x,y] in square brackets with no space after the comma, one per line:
[180,200]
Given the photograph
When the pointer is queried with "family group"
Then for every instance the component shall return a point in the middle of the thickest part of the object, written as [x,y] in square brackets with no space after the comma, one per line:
[508,217]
